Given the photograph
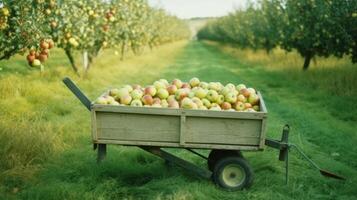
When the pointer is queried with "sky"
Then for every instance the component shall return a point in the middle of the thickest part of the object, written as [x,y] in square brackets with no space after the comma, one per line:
[198,8]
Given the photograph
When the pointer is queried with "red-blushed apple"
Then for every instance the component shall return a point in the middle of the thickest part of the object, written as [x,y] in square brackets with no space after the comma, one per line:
[156,100]
[177,82]
[201,93]
[253,99]
[194,82]
[42,57]
[256,108]
[44,45]
[212,95]
[147,99]
[164,103]
[126,99]
[248,105]
[245,92]
[136,103]
[206,103]
[241,98]
[220,99]
[240,87]
[186,85]
[158,85]
[226,106]
[30,58]
[180,94]
[136,94]
[171,98]
[239,106]
[174,104]
[150,90]
[162,93]
[231,97]
[172,89]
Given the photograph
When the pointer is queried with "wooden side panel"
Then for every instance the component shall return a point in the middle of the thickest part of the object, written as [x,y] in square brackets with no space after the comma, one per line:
[138,127]
[223,131]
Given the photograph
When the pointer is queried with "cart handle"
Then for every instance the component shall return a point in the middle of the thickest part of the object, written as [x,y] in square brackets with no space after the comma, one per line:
[77,92]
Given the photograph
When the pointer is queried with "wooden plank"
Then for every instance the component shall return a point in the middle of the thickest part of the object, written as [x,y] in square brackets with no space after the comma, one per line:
[262,106]
[262,134]
[139,143]
[137,110]
[183,129]
[222,146]
[138,127]
[94,125]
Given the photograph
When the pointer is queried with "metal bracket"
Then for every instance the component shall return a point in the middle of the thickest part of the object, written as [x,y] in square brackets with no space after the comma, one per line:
[102,152]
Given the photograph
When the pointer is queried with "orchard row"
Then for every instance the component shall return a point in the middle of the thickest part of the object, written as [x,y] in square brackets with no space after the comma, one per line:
[312,27]
[84,26]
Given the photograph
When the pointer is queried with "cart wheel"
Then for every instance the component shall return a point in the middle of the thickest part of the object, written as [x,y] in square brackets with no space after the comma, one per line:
[216,155]
[233,173]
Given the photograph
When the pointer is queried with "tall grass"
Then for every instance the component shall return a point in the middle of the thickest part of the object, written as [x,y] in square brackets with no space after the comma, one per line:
[40,118]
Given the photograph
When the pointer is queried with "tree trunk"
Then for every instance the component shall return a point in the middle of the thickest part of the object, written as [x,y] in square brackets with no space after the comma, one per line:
[122,51]
[307,61]
[71,60]
[90,60]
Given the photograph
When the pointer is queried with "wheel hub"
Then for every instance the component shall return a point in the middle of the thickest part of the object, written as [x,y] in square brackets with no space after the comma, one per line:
[233,175]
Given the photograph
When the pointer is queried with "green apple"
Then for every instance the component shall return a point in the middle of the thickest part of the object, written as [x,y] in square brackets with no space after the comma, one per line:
[36,63]
[177,82]
[220,99]
[225,91]
[128,87]
[136,103]
[156,105]
[213,86]
[115,103]
[230,97]
[101,100]
[201,93]
[158,85]
[202,108]
[249,110]
[230,86]
[151,90]
[216,108]
[164,103]
[203,85]
[253,99]
[194,82]
[110,99]
[256,108]
[251,90]
[126,99]
[191,94]
[165,82]
[114,92]
[171,98]
[122,92]
[212,95]
[162,93]
[137,94]
[197,101]
[241,98]
[240,87]
[187,103]
[239,106]
[206,103]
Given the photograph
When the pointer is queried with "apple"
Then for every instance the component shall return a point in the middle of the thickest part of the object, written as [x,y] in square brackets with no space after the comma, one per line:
[186,85]
[151,90]
[122,92]
[177,82]
[231,109]
[136,103]
[156,105]
[226,106]
[241,98]
[212,95]
[128,87]
[251,90]
[165,82]
[51,44]
[248,105]
[203,85]
[191,94]
[45,51]
[36,63]
[156,100]
[137,94]
[171,98]
[240,87]
[239,106]
[194,106]
[101,100]
[202,108]
[32,52]
[113,92]
[110,99]
[30,58]
[44,45]
[249,110]
[197,101]
[231,97]
[180,94]
[245,92]
[136,86]
[164,103]
[187,103]
[172,89]
[147,99]
[114,103]
[230,86]
[174,104]
[220,86]
[253,99]
[158,85]
[126,99]
[225,91]
[42,57]
[220,99]
[162,93]
[217,108]
[206,103]
[256,108]
[201,93]
[194,82]
[213,86]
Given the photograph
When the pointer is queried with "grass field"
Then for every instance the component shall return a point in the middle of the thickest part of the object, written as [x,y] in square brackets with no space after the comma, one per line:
[46,151]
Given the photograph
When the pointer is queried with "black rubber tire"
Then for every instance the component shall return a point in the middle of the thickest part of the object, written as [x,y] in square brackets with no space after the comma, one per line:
[216,155]
[229,170]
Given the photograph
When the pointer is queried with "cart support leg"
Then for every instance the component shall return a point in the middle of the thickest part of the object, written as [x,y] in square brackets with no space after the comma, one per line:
[178,161]
[102,152]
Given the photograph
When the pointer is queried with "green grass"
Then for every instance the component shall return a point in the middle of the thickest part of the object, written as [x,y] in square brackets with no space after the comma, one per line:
[46,152]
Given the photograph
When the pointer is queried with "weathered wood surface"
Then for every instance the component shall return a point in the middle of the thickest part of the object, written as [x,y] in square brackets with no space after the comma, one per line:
[179,127]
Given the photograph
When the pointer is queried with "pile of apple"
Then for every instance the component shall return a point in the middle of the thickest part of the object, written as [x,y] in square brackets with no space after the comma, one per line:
[35,59]
[191,95]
